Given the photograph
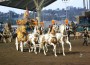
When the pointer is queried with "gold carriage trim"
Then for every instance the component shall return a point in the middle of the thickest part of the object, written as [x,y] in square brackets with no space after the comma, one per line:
[21,22]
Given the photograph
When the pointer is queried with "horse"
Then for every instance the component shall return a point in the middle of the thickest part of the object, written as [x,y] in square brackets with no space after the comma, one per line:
[48,38]
[33,38]
[73,30]
[60,37]
[1,36]
[7,32]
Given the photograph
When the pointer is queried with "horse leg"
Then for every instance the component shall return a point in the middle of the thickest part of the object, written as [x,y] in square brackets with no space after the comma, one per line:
[59,47]
[70,47]
[54,49]
[34,47]
[29,46]
[9,39]
[4,40]
[46,47]
[21,46]
[62,43]
[29,49]
[16,43]
[39,49]
[40,46]
[44,50]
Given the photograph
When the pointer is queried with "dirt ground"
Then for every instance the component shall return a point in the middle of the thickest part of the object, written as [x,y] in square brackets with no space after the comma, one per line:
[80,55]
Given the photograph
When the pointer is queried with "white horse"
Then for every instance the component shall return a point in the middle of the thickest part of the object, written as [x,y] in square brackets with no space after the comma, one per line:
[46,39]
[60,36]
[34,38]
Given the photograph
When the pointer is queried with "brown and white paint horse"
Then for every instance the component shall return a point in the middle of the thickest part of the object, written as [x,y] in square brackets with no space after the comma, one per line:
[33,38]
[50,39]
[60,37]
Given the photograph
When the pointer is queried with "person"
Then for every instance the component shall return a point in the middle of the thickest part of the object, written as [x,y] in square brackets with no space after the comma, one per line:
[68,31]
[39,30]
[84,28]
[50,28]
[86,36]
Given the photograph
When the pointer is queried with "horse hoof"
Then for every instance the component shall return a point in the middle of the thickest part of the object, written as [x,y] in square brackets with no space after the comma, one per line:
[46,50]
[29,51]
[70,50]
[45,54]
[39,51]
[55,55]
[21,51]
[64,55]
[35,52]
[17,49]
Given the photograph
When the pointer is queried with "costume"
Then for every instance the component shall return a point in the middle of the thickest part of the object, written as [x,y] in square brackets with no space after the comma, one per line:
[86,36]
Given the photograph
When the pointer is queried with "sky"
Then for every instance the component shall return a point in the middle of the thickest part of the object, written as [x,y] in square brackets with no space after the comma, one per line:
[57,4]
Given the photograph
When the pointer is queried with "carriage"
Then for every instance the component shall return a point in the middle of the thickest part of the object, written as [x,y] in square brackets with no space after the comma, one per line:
[23,36]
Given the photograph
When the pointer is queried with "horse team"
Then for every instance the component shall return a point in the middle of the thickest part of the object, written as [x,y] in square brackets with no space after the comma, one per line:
[38,39]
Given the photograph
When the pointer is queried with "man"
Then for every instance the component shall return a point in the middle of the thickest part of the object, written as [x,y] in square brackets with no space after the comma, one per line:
[50,28]
[86,36]
[68,31]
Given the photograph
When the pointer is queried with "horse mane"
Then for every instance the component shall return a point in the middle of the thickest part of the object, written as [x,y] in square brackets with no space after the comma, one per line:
[53,31]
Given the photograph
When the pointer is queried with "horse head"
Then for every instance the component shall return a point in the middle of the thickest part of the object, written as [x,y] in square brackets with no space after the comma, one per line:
[53,32]
[62,28]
